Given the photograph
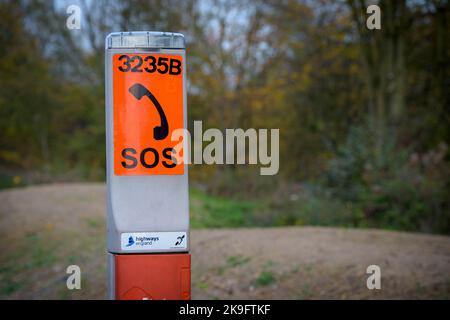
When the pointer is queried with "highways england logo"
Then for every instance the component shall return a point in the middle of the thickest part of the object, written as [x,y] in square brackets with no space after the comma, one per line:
[130,242]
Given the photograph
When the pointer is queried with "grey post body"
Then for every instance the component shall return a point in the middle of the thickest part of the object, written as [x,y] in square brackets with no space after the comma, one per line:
[146,203]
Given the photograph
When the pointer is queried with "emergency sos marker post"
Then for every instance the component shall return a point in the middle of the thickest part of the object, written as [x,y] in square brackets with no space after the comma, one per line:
[147,188]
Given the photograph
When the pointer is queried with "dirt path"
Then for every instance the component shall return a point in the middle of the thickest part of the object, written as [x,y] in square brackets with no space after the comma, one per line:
[43,229]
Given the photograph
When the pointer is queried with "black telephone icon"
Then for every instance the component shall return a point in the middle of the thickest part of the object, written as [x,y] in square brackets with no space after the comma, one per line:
[138,91]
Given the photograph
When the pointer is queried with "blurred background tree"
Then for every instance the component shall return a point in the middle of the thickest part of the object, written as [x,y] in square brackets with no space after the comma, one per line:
[363,114]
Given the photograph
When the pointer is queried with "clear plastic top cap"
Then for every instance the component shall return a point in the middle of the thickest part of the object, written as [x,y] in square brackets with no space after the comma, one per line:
[145,39]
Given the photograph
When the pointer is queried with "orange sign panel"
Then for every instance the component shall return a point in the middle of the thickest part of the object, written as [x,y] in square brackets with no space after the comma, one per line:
[148,107]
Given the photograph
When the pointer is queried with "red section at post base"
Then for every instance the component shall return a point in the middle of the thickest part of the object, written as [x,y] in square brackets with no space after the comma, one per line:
[153,276]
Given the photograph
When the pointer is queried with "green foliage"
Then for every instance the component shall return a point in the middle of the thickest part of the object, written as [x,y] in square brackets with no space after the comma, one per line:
[234,261]
[36,252]
[311,206]
[219,212]
[394,189]
[285,208]
[8,180]
[264,279]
